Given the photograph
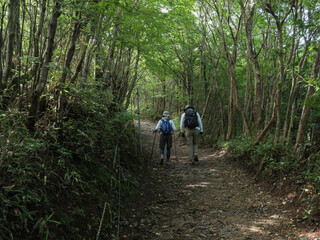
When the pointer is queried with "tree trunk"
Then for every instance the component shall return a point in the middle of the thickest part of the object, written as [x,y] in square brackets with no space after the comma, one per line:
[306,107]
[233,93]
[292,119]
[271,121]
[238,106]
[2,85]
[66,69]
[281,81]
[258,86]
[80,63]
[214,82]
[87,60]
[294,93]
[74,36]
[33,112]
[222,131]
[13,23]
[230,112]
[133,81]
[247,96]
[30,73]
[13,8]
[276,116]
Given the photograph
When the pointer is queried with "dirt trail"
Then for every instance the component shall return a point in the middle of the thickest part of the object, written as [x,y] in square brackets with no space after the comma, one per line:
[213,199]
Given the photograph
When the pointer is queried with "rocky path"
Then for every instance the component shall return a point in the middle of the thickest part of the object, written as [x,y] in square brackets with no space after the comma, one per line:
[214,199]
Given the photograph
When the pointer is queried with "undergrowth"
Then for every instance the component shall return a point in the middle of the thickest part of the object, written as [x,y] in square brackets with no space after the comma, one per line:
[55,182]
[274,162]
[269,159]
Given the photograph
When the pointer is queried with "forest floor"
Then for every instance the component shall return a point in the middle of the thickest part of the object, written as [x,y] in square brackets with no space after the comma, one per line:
[217,198]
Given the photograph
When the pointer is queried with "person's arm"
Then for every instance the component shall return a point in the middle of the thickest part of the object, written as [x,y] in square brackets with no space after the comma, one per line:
[182,123]
[200,123]
[158,126]
[173,126]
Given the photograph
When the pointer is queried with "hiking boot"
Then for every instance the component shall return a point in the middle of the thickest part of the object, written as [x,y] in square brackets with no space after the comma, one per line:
[161,161]
[168,161]
[192,162]
[196,159]
[167,164]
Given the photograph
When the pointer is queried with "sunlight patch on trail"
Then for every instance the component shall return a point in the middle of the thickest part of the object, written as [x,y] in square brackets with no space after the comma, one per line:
[213,170]
[258,226]
[254,229]
[209,156]
[213,155]
[202,184]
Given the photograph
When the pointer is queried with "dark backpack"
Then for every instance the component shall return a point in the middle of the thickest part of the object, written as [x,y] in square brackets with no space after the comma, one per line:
[165,127]
[191,119]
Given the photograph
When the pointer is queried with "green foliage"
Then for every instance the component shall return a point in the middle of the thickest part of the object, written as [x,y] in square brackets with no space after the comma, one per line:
[268,159]
[240,145]
[25,184]
[212,140]
[275,161]
[310,164]
[54,183]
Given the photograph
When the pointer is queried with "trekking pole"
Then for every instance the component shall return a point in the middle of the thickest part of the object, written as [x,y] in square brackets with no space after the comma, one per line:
[140,137]
[175,146]
[154,139]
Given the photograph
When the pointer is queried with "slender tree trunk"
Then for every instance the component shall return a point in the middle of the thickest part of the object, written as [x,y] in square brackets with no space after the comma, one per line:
[92,44]
[306,106]
[222,131]
[80,63]
[133,81]
[237,104]
[258,86]
[205,79]
[233,97]
[111,51]
[281,81]
[66,70]
[2,84]
[13,8]
[37,35]
[294,93]
[74,36]
[214,82]
[247,96]
[292,120]
[271,121]
[32,72]
[16,84]
[230,113]
[294,83]
[87,60]
[164,87]
[13,23]
[277,101]
[33,112]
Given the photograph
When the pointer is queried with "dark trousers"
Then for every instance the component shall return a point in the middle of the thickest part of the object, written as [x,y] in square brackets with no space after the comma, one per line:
[165,140]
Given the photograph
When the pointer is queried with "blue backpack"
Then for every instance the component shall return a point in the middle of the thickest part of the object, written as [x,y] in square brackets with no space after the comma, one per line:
[165,127]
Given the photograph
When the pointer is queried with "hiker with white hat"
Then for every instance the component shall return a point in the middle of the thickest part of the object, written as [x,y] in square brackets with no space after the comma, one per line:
[167,129]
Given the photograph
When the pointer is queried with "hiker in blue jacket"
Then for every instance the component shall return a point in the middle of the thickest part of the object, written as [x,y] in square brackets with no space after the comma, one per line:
[191,124]
[167,129]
